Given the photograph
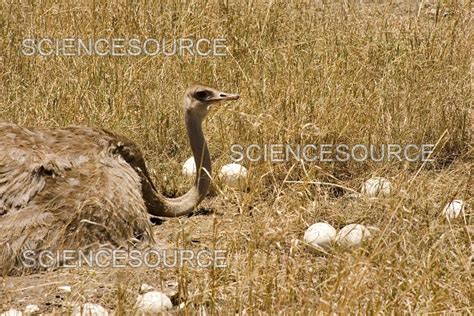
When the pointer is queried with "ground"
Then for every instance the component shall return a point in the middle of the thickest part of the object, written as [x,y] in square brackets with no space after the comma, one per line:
[356,72]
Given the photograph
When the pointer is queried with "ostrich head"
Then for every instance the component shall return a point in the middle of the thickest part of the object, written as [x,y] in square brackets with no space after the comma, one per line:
[198,98]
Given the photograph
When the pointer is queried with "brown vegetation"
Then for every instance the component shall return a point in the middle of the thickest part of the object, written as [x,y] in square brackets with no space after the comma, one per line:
[357,72]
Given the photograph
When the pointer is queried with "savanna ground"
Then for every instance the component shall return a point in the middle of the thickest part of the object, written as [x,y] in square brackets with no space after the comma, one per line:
[309,72]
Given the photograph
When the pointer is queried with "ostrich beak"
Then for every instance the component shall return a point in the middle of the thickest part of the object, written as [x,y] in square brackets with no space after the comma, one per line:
[222,96]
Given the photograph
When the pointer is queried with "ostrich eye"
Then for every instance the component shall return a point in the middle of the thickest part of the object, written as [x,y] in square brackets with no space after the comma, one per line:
[202,95]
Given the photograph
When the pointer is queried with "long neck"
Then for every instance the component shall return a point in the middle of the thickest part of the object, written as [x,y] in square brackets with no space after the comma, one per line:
[185,204]
[201,155]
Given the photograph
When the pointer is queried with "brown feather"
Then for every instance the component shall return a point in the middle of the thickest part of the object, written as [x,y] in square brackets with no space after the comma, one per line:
[68,188]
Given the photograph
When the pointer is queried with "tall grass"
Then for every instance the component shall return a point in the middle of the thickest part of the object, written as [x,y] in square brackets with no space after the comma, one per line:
[309,72]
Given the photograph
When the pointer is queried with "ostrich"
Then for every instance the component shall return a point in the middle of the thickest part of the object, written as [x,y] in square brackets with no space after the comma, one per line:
[82,187]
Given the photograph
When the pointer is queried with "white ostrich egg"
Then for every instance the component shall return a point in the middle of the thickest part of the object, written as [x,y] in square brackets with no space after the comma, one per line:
[453,209]
[352,235]
[144,288]
[233,175]
[377,186]
[65,289]
[152,303]
[189,167]
[320,235]
[12,312]
[31,309]
[89,309]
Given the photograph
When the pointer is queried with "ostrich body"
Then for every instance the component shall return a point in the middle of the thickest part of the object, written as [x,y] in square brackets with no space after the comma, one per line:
[79,186]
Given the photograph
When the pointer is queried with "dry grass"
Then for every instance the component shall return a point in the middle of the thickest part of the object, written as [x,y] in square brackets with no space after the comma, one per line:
[308,73]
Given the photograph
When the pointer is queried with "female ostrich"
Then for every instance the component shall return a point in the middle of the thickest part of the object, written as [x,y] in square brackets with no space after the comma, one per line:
[81,186]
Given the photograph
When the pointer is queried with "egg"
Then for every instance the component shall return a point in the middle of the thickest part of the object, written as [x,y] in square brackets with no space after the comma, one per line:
[320,235]
[152,303]
[352,235]
[453,209]
[31,309]
[377,186]
[65,289]
[12,312]
[89,309]
[189,167]
[233,175]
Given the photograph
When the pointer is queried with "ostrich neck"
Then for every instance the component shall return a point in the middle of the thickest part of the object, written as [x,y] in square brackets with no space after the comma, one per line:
[200,153]
[185,204]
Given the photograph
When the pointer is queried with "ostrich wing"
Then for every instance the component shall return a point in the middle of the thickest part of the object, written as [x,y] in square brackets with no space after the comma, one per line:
[30,156]
[25,162]
[69,187]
